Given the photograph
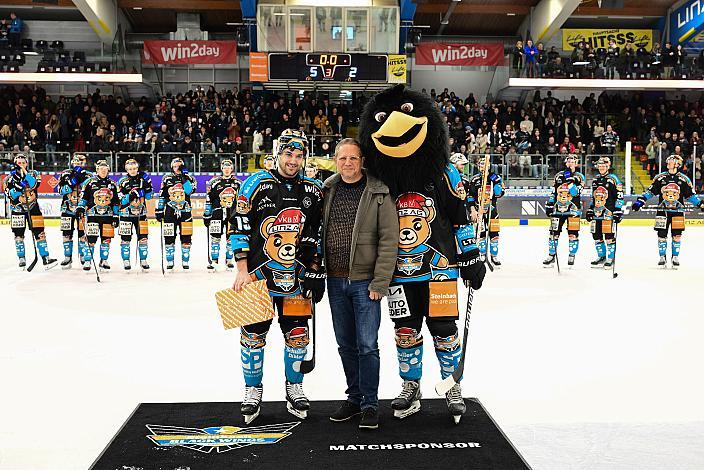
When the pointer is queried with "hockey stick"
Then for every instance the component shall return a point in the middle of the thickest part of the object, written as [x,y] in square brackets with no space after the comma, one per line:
[34,241]
[487,239]
[207,248]
[557,256]
[614,274]
[161,225]
[309,364]
[87,245]
[444,386]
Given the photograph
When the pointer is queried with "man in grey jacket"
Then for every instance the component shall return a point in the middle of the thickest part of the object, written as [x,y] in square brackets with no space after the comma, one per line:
[360,244]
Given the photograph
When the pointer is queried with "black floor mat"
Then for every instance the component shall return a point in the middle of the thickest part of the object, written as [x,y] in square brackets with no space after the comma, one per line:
[212,436]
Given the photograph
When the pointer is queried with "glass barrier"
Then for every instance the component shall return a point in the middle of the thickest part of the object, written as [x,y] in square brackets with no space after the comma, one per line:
[146,160]
[48,161]
[163,161]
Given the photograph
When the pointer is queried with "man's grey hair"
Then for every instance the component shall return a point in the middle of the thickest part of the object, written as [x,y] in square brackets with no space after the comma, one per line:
[347,141]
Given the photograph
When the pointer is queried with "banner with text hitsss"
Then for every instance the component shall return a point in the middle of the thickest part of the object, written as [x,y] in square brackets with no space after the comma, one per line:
[467,55]
[397,68]
[597,38]
[189,52]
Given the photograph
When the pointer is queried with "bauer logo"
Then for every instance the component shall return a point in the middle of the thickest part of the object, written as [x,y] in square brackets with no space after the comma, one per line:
[218,438]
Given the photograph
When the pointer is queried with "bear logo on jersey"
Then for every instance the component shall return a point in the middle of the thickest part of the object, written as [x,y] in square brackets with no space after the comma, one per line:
[671,194]
[282,233]
[102,198]
[600,196]
[227,197]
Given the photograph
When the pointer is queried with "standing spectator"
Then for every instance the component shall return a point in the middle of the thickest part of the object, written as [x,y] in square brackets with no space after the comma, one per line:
[481,141]
[495,139]
[359,274]
[531,55]
[655,61]
[518,57]
[668,59]
[653,151]
[4,32]
[609,140]
[541,60]
[304,122]
[15,30]
[340,127]
[51,139]
[612,57]
[680,57]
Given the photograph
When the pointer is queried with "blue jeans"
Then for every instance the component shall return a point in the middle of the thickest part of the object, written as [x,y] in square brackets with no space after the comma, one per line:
[356,319]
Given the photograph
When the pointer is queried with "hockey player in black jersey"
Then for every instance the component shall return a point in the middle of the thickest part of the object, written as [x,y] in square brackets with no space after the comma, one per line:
[99,205]
[220,196]
[134,190]
[174,211]
[605,211]
[275,234]
[25,213]
[495,190]
[673,188]
[565,206]
[70,185]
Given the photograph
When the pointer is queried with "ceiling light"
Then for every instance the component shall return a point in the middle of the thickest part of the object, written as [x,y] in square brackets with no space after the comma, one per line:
[229,23]
[510,14]
[136,8]
[31,53]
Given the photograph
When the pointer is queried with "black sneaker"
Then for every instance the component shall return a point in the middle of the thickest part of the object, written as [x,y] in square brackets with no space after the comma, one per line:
[370,419]
[346,411]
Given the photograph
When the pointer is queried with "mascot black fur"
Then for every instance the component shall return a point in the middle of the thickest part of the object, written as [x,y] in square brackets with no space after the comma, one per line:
[404,141]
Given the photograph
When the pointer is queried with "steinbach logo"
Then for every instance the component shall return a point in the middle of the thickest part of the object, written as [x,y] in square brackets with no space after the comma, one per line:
[218,438]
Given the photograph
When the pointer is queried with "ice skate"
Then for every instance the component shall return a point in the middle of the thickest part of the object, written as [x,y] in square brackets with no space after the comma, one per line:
[455,403]
[23,263]
[126,264]
[495,261]
[230,265]
[663,262]
[48,262]
[549,261]
[86,265]
[184,265]
[597,263]
[66,263]
[608,263]
[103,265]
[570,260]
[675,262]
[144,265]
[211,268]
[252,403]
[296,402]
[170,265]
[408,401]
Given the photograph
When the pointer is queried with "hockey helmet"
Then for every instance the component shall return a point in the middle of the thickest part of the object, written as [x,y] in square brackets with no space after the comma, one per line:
[18,157]
[175,161]
[458,158]
[78,159]
[676,158]
[226,163]
[292,139]
[102,163]
[604,161]
[570,156]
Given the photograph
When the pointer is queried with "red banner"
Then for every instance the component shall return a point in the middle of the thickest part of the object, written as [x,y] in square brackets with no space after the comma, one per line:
[189,52]
[438,53]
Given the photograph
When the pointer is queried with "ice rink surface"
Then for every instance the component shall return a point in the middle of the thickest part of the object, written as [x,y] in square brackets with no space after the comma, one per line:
[580,370]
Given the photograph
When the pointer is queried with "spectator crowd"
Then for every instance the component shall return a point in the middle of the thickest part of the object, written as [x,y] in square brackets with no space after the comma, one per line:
[202,120]
[596,125]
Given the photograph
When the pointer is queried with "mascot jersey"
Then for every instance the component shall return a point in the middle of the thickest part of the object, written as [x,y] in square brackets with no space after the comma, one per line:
[673,190]
[277,224]
[607,195]
[141,183]
[427,222]
[70,185]
[99,197]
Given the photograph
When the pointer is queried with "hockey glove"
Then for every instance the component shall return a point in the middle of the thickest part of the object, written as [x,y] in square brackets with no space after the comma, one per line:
[618,216]
[184,171]
[701,205]
[159,215]
[313,285]
[549,208]
[590,215]
[494,178]
[638,204]
[472,269]
[206,220]
[115,221]
[80,212]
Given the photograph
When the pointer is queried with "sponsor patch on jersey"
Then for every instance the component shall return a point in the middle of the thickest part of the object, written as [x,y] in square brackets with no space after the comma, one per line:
[283,280]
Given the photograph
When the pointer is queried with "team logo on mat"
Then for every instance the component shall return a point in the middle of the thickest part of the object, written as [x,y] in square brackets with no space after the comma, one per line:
[218,438]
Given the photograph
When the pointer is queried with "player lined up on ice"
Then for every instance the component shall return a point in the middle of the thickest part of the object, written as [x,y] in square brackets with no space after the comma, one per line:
[673,188]
[605,211]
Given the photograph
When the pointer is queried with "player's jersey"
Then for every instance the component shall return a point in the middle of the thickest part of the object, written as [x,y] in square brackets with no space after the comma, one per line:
[99,197]
[607,195]
[221,192]
[70,185]
[179,201]
[277,224]
[140,185]
[575,181]
[673,190]
[495,188]
[21,190]
[433,224]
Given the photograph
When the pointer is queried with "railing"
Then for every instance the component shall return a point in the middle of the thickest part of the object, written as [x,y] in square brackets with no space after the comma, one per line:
[163,161]
[146,160]
[48,161]
[210,161]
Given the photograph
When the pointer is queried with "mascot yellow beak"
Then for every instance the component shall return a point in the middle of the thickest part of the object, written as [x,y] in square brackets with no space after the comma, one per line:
[401,135]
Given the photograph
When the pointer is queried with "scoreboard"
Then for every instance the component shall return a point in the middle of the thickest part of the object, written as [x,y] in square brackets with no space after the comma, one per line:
[334,67]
